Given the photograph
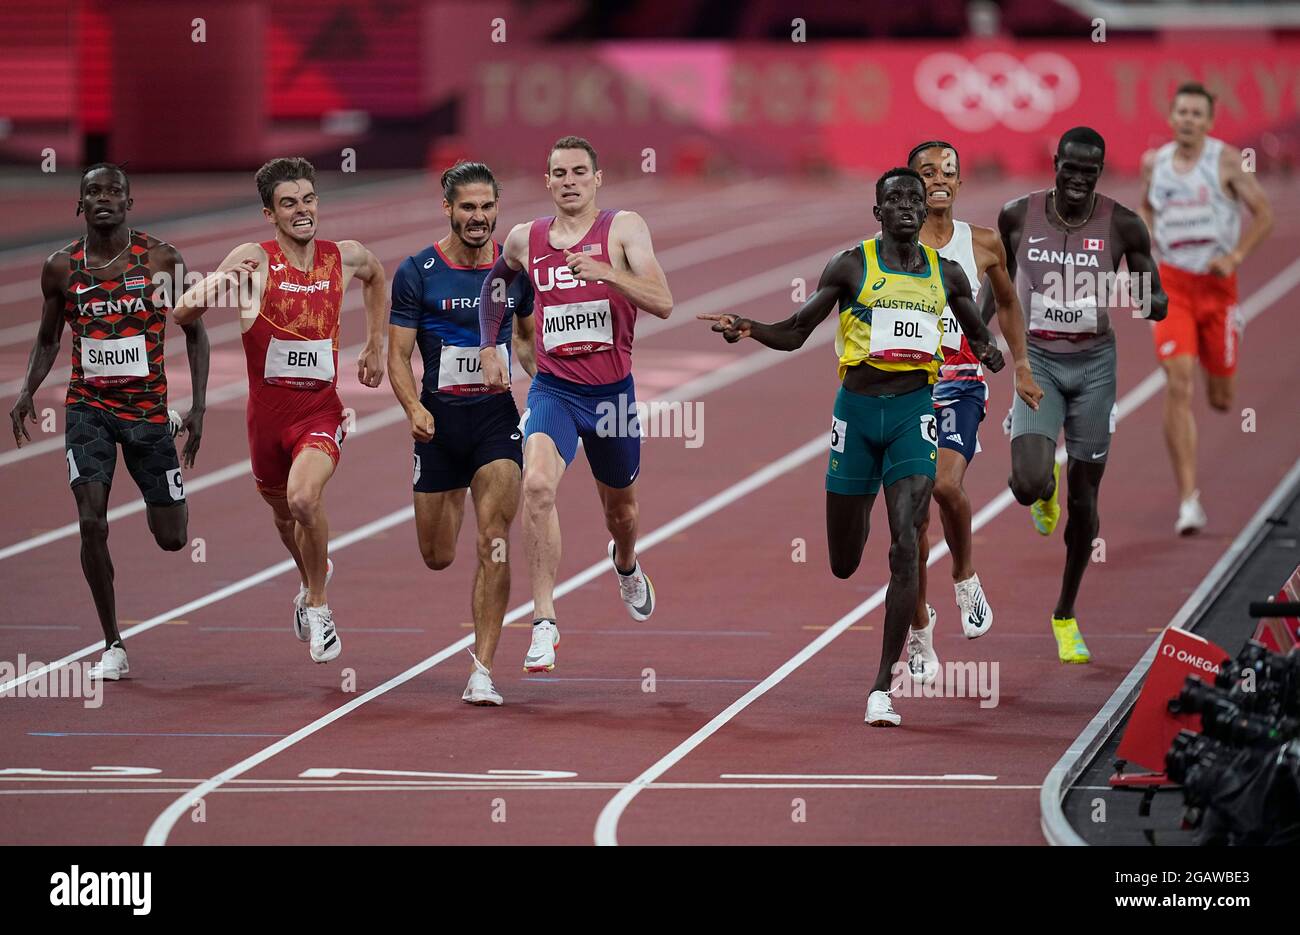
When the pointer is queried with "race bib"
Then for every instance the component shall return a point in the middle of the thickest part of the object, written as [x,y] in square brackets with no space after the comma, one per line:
[578,328]
[1048,317]
[461,372]
[951,330]
[1176,225]
[113,360]
[903,334]
[304,364]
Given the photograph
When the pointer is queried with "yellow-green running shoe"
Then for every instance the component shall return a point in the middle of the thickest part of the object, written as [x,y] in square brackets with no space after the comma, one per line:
[1069,641]
[1045,513]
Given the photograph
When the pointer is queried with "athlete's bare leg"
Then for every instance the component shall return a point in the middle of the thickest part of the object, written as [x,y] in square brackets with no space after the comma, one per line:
[1220,390]
[287,527]
[954,513]
[496,500]
[1180,424]
[96,564]
[848,521]
[1081,527]
[311,470]
[169,523]
[1032,457]
[543,468]
[438,517]
[621,519]
[906,500]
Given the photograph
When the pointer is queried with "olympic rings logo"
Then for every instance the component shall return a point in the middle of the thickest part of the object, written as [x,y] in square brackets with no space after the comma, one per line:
[997,88]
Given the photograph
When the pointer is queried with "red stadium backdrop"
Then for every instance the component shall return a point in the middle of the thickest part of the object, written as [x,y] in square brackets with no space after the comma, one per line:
[765,106]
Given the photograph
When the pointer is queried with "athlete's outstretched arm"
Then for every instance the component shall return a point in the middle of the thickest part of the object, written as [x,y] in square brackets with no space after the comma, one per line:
[957,291]
[1010,317]
[643,282]
[54,278]
[237,282]
[1245,186]
[492,306]
[374,293]
[1136,243]
[197,352]
[837,284]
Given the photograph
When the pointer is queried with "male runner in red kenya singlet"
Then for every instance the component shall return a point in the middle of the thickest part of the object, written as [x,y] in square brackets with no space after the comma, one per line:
[289,298]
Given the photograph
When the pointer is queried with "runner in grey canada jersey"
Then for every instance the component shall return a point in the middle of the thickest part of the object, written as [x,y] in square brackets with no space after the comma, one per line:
[1064,246]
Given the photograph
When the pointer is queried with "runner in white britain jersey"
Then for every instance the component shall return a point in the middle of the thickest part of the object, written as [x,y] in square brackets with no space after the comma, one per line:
[1193,189]
[960,395]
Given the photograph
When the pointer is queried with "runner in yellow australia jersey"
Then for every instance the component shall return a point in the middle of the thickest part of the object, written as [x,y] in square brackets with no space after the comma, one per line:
[889,292]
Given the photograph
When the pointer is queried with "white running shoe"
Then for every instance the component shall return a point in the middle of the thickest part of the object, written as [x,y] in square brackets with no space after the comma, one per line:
[541,652]
[922,662]
[1191,517]
[480,690]
[880,711]
[976,614]
[300,605]
[635,589]
[325,642]
[111,666]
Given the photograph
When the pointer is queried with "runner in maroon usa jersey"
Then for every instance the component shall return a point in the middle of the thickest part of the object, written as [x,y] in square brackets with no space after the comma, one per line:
[289,292]
[591,270]
[105,287]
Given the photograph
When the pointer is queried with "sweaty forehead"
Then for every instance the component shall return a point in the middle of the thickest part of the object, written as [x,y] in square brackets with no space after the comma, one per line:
[294,188]
[1081,153]
[104,177]
[903,184]
[570,159]
[945,157]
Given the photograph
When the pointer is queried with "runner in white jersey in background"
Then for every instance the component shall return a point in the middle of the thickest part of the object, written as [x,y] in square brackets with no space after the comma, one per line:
[1193,189]
[960,395]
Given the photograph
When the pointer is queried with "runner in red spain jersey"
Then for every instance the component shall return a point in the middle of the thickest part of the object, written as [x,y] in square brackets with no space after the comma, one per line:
[289,294]
[107,287]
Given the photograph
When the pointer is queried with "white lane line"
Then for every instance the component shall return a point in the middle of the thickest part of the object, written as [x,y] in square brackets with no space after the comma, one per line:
[943,777]
[717,300]
[683,257]
[163,824]
[413,221]
[606,832]
[230,472]
[191,794]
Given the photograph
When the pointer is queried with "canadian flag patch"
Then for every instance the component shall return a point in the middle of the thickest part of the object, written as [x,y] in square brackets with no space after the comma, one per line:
[1093,244]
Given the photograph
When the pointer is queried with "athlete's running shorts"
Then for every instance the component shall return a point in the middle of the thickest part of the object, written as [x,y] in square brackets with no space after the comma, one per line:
[275,438]
[1204,320]
[603,416]
[466,436]
[960,415]
[90,444]
[880,439]
[1078,395]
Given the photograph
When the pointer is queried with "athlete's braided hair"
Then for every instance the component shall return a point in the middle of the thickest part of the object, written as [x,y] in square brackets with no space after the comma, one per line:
[933,144]
[897,172]
[467,173]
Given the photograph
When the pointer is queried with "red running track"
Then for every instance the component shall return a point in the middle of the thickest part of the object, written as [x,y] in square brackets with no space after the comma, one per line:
[225,690]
